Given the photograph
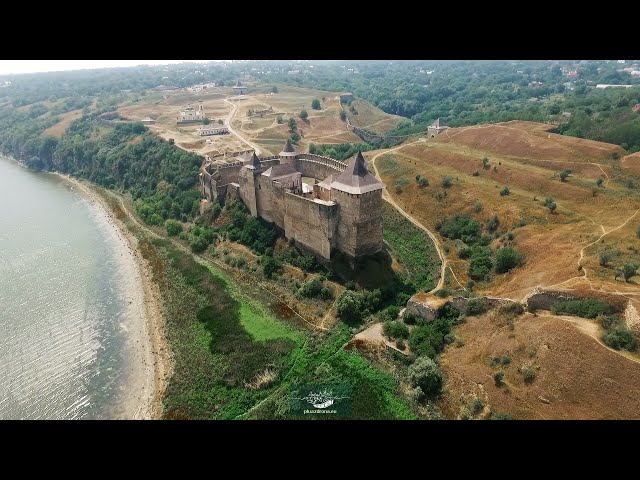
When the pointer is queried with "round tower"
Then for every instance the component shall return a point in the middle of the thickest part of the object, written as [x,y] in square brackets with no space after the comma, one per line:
[288,154]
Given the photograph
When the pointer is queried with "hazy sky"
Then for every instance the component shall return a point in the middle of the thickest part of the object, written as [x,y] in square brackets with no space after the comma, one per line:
[32,66]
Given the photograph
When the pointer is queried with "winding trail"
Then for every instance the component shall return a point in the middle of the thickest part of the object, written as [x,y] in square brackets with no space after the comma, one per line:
[388,198]
[232,114]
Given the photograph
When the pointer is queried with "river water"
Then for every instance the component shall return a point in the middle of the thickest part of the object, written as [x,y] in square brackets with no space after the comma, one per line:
[66,317]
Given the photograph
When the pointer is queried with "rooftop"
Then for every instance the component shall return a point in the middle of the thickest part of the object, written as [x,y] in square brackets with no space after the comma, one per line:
[288,150]
[280,171]
[356,178]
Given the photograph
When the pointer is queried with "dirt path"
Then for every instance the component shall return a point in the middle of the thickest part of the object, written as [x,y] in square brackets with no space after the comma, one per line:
[232,114]
[374,334]
[388,198]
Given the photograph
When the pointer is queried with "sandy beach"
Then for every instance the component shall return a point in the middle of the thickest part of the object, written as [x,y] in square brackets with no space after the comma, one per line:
[152,364]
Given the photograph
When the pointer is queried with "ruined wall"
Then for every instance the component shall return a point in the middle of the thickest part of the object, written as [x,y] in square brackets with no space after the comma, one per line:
[310,224]
[491,302]
[359,229]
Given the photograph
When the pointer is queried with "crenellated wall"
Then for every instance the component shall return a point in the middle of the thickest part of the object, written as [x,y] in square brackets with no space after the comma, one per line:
[317,166]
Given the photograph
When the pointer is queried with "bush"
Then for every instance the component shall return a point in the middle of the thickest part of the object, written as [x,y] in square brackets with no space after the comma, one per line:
[493,223]
[480,266]
[607,321]
[443,293]
[606,257]
[564,174]
[401,345]
[498,377]
[394,329]
[550,204]
[528,373]
[629,271]
[280,120]
[315,104]
[447,181]
[599,182]
[620,338]
[426,340]
[410,318]
[424,373]
[506,259]
[586,308]
[422,181]
[314,289]
[476,306]
[477,207]
[500,416]
[505,191]
[198,243]
[304,115]
[173,227]
[460,226]
[348,307]
[270,266]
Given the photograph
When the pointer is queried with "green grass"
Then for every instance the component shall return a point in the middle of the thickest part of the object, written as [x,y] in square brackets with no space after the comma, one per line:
[259,322]
[412,247]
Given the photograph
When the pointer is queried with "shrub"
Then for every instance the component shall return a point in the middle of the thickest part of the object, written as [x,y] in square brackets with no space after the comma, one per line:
[477,405]
[550,204]
[270,266]
[442,293]
[390,313]
[424,373]
[343,115]
[528,373]
[480,267]
[460,226]
[426,340]
[465,253]
[422,181]
[620,338]
[476,306]
[606,257]
[493,223]
[512,308]
[599,182]
[485,162]
[586,308]
[410,318]
[505,191]
[505,360]
[315,104]
[394,329]
[506,259]
[447,181]
[198,243]
[607,321]
[470,284]
[314,288]
[173,227]
[304,115]
[477,207]
[401,345]
[280,120]
[498,377]
[564,174]
[629,271]
[348,307]
[500,416]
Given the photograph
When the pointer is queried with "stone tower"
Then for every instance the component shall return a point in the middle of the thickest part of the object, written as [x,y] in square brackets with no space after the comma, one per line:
[288,154]
[248,182]
[359,196]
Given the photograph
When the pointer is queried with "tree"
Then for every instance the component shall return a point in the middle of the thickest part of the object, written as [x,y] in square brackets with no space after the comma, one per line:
[599,182]
[424,373]
[304,115]
[506,259]
[394,329]
[343,115]
[206,121]
[447,181]
[629,270]
[606,257]
[348,307]
[280,120]
[173,227]
[198,243]
[485,162]
[270,266]
[505,191]
[274,89]
[292,124]
[493,223]
[550,204]
[564,174]
[295,137]
[315,104]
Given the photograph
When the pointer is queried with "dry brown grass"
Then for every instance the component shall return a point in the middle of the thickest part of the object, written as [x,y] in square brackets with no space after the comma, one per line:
[529,165]
[66,119]
[576,377]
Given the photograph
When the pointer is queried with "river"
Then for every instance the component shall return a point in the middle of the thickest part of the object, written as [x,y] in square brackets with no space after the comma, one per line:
[72,330]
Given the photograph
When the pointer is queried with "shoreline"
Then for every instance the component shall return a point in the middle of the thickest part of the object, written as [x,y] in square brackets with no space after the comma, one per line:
[152,348]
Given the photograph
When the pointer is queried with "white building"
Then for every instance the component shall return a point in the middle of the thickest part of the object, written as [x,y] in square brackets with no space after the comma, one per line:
[436,128]
[212,129]
[192,114]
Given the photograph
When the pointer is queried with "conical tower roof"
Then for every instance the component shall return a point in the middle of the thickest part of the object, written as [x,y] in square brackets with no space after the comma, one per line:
[254,162]
[356,178]
[288,150]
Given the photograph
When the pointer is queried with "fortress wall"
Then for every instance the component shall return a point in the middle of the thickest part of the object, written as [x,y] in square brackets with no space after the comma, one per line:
[229,174]
[359,229]
[270,200]
[309,223]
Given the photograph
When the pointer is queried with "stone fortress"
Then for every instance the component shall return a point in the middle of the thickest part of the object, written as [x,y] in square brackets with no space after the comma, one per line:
[339,207]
